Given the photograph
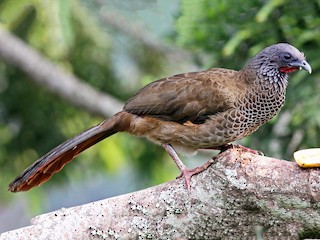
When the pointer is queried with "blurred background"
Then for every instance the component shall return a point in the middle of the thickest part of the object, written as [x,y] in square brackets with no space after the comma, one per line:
[117,47]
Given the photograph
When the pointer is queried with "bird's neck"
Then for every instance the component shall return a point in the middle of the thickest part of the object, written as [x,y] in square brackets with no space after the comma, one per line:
[265,95]
[266,92]
[265,79]
[273,83]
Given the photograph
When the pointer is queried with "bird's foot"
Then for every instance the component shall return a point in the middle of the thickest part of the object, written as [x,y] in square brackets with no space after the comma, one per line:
[185,172]
[242,148]
[188,173]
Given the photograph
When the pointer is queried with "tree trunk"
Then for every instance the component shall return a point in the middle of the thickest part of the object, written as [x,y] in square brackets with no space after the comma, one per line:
[240,196]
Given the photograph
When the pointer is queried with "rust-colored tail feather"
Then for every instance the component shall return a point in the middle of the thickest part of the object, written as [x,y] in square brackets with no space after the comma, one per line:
[52,162]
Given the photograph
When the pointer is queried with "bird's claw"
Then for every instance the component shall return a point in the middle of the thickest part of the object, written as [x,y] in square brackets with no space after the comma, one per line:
[188,173]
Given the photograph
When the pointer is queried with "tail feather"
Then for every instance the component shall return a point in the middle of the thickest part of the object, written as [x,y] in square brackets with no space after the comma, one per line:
[52,162]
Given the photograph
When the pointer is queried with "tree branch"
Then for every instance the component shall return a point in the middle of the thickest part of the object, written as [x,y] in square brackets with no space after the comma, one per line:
[239,196]
[55,79]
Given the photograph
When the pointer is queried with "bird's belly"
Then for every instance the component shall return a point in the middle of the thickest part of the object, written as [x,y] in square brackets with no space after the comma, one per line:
[216,131]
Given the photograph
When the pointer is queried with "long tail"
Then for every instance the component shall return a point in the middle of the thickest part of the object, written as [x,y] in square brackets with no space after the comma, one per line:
[52,162]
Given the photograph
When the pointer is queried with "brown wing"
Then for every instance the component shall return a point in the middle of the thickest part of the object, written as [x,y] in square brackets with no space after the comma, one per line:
[186,97]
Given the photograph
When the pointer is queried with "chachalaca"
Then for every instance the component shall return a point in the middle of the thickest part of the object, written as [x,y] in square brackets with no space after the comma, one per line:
[191,111]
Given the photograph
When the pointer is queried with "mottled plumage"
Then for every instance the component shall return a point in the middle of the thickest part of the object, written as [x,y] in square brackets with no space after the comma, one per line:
[191,111]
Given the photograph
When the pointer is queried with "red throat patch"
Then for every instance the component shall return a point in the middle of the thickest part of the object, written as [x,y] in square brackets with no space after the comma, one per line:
[289,69]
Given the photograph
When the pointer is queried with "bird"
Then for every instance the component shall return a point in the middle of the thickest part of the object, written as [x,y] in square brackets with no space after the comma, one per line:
[208,109]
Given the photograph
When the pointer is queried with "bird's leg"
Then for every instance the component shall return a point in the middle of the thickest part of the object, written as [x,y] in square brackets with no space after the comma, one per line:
[187,173]
[184,170]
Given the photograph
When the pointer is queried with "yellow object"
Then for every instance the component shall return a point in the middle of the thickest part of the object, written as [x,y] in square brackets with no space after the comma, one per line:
[308,158]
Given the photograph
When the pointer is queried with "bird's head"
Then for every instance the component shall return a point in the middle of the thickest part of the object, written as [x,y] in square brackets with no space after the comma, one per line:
[276,61]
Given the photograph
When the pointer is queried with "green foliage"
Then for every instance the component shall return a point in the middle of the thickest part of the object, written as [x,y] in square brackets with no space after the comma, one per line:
[231,31]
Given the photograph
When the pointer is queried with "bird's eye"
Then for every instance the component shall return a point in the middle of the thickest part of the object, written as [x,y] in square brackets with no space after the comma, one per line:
[287,56]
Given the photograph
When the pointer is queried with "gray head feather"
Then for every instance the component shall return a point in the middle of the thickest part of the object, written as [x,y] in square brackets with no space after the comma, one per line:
[274,63]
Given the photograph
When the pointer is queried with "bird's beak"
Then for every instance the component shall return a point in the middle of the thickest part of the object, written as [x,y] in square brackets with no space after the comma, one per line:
[302,64]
